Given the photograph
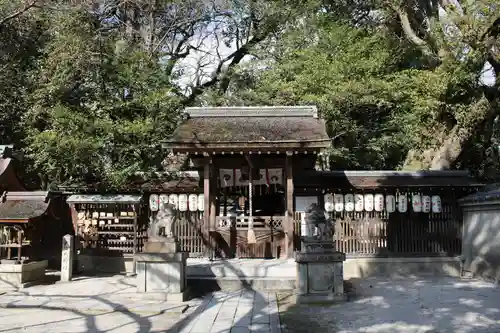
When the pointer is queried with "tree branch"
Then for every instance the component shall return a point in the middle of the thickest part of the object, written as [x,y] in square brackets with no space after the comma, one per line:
[411,35]
[27,6]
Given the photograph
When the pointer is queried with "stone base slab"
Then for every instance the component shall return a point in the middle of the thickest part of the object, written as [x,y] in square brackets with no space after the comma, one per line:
[162,273]
[15,276]
[327,298]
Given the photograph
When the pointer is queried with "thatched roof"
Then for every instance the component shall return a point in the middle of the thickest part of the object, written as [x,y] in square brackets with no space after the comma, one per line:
[250,128]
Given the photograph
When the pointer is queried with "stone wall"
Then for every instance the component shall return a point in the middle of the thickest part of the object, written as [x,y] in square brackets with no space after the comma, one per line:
[481,234]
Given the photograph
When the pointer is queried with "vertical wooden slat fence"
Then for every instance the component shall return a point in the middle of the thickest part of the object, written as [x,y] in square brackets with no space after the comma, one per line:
[397,234]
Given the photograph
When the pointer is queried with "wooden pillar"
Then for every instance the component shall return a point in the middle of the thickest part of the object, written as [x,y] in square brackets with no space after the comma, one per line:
[206,195]
[213,196]
[289,206]
[206,209]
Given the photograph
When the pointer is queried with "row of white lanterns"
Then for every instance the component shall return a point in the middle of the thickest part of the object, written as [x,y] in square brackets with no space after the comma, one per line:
[370,202]
[181,202]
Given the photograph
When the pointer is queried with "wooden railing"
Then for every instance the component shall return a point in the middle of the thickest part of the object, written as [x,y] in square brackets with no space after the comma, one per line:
[259,222]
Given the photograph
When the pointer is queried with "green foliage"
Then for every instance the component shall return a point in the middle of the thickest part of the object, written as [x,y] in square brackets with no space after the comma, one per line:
[100,112]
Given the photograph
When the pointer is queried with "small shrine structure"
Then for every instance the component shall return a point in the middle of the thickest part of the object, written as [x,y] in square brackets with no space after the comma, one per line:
[249,156]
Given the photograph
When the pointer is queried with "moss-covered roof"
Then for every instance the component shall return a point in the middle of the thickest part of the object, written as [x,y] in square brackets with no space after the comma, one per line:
[23,205]
[250,128]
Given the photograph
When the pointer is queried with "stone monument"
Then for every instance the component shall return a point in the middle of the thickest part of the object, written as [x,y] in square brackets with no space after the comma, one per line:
[161,268]
[319,266]
[67,258]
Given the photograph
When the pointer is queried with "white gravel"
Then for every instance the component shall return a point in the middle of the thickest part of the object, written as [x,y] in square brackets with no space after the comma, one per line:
[423,305]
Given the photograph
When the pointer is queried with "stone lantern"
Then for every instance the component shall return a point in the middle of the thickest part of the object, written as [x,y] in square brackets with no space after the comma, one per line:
[319,265]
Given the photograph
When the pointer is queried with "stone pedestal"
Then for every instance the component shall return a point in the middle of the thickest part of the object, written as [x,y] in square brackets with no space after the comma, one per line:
[320,271]
[162,271]
[320,277]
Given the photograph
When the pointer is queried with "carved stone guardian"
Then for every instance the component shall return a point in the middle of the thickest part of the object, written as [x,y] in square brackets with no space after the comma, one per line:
[161,268]
[319,265]
[160,231]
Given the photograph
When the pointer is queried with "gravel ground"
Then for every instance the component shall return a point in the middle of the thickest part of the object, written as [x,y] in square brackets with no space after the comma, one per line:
[423,305]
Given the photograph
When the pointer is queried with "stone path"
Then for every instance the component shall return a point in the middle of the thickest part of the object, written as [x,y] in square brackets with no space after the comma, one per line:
[111,305]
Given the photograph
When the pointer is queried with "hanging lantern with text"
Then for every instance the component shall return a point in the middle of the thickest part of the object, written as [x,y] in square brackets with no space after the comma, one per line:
[436,204]
[416,202]
[359,202]
[201,202]
[153,202]
[369,202]
[349,202]
[402,203]
[193,202]
[338,202]
[390,203]
[173,199]
[379,202]
[329,206]
[183,202]
[426,203]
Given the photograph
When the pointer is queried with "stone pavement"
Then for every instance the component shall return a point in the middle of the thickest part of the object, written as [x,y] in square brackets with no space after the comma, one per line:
[110,304]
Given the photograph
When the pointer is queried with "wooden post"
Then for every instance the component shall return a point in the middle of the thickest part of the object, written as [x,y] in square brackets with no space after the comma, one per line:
[289,206]
[206,200]
[213,198]
[136,209]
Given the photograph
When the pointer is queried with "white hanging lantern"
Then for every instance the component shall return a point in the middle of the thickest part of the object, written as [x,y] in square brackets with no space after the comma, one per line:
[359,202]
[173,199]
[183,202]
[153,202]
[379,202]
[329,206]
[402,203]
[193,202]
[426,203]
[416,202]
[369,202]
[338,200]
[349,202]
[162,199]
[201,202]
[436,204]
[390,203]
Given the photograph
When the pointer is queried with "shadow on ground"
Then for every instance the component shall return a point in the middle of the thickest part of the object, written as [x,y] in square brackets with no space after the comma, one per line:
[409,305]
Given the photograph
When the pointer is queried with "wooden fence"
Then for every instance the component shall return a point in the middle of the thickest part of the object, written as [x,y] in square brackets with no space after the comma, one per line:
[397,234]
[358,234]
